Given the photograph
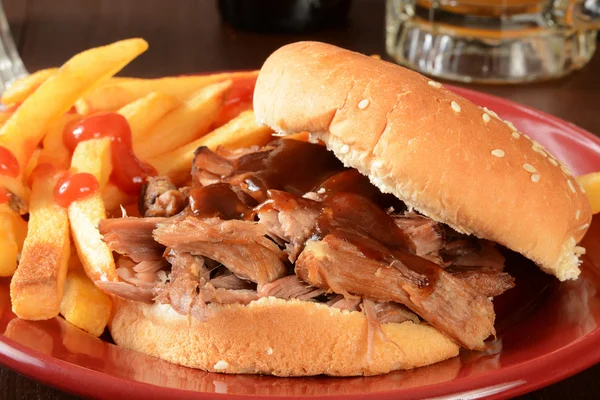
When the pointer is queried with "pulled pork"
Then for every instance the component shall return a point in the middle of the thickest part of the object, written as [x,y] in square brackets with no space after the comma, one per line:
[290,221]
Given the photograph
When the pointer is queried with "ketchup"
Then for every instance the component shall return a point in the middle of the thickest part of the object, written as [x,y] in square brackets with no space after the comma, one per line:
[9,165]
[238,100]
[4,195]
[74,187]
[129,173]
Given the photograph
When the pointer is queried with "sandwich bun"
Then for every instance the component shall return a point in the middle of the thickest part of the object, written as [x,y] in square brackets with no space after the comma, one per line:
[442,155]
[278,337]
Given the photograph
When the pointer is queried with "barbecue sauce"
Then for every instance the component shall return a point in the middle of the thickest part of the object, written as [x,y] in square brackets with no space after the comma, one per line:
[129,173]
[293,166]
[350,207]
[220,200]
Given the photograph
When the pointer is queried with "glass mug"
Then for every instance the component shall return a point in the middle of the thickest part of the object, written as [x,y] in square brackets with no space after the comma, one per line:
[492,41]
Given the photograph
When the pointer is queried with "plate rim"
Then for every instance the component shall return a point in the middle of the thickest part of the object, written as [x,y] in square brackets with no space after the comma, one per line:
[580,354]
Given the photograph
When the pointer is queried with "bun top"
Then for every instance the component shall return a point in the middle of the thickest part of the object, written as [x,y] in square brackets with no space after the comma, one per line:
[446,157]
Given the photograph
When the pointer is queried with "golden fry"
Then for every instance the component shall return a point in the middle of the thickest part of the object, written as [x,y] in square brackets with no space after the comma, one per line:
[22,133]
[36,288]
[591,184]
[54,150]
[33,162]
[9,247]
[84,305]
[144,113]
[114,198]
[4,116]
[240,132]
[184,124]
[115,93]
[22,88]
[92,156]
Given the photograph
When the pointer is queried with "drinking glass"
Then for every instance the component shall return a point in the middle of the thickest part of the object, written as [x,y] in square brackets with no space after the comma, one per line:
[11,66]
[493,41]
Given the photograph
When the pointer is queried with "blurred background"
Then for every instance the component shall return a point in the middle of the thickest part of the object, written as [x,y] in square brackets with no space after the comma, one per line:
[189,36]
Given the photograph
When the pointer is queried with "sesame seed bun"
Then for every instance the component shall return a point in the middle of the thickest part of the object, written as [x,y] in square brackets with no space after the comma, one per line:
[278,337]
[441,154]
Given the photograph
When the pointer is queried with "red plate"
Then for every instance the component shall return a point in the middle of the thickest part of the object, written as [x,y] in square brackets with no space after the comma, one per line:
[541,325]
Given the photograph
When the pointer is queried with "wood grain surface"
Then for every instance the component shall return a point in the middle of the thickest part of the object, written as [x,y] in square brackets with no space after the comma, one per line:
[187,36]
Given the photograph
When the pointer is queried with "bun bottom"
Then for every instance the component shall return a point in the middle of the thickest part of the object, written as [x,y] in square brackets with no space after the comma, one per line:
[276,337]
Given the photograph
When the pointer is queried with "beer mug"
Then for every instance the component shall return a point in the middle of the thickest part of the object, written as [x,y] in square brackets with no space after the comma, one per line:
[492,41]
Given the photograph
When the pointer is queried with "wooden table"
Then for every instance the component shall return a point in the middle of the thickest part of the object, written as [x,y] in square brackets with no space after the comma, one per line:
[187,36]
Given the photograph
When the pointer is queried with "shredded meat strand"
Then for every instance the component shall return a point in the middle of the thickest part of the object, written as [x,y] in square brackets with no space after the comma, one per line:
[449,304]
[239,245]
[132,237]
[290,287]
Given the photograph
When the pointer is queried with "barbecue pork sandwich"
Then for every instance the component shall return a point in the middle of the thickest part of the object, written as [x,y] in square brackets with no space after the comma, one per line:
[376,246]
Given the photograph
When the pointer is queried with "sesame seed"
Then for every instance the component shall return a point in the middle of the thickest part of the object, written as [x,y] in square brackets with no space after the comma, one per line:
[270,351]
[435,84]
[578,250]
[529,168]
[581,187]
[486,118]
[582,227]
[378,273]
[221,365]
[321,191]
[364,103]
[535,178]
[455,106]
[510,125]
[577,214]
[492,113]
[564,169]
[553,161]
[377,164]
[571,187]
[498,153]
[516,134]
[344,149]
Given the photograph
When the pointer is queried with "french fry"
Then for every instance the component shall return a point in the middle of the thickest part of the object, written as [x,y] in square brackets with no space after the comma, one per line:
[54,150]
[114,198]
[144,113]
[84,305]
[33,162]
[92,156]
[4,116]
[591,184]
[184,124]
[22,88]
[240,132]
[9,247]
[36,288]
[22,133]
[13,230]
[115,94]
